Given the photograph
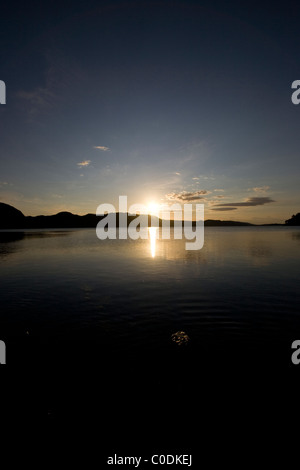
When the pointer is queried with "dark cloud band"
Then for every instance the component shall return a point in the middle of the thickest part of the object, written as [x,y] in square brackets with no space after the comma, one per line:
[225,209]
[252,201]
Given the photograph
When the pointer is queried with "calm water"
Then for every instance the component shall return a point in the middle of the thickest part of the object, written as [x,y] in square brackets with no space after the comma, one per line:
[88,327]
[124,296]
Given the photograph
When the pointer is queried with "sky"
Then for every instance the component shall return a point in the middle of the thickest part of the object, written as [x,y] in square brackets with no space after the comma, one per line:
[162,101]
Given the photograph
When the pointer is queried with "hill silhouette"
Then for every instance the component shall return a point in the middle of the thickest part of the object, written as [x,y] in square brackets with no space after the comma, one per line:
[224,223]
[294,220]
[12,218]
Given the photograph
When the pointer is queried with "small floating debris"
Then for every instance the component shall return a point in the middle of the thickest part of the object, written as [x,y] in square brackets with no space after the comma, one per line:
[180,338]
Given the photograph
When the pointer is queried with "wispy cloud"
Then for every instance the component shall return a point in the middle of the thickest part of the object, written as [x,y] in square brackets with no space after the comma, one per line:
[177,173]
[204,177]
[251,201]
[101,147]
[261,189]
[84,163]
[185,196]
[223,209]
[39,99]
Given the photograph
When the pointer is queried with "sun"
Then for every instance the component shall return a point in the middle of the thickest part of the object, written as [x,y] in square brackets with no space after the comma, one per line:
[153,207]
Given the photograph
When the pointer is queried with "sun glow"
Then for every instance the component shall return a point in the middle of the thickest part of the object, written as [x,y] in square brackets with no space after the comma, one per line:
[153,208]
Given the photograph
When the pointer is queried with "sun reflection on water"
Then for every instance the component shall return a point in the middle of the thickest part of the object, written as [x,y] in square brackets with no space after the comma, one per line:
[152,233]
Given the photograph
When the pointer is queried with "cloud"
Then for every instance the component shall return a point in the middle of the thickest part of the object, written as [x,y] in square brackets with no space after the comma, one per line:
[100,147]
[195,178]
[39,99]
[62,79]
[251,201]
[185,196]
[262,189]
[84,163]
[222,190]
[177,173]
[225,209]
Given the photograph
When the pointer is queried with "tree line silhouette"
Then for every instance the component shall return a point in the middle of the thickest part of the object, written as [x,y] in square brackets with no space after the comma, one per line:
[294,220]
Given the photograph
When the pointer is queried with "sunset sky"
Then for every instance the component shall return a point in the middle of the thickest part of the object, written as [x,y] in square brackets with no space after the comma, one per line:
[162,101]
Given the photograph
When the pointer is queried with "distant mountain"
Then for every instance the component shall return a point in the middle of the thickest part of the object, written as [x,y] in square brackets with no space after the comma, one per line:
[295,220]
[12,218]
[224,223]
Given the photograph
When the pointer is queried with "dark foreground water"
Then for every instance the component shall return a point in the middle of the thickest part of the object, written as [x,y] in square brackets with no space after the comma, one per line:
[142,329]
[68,286]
